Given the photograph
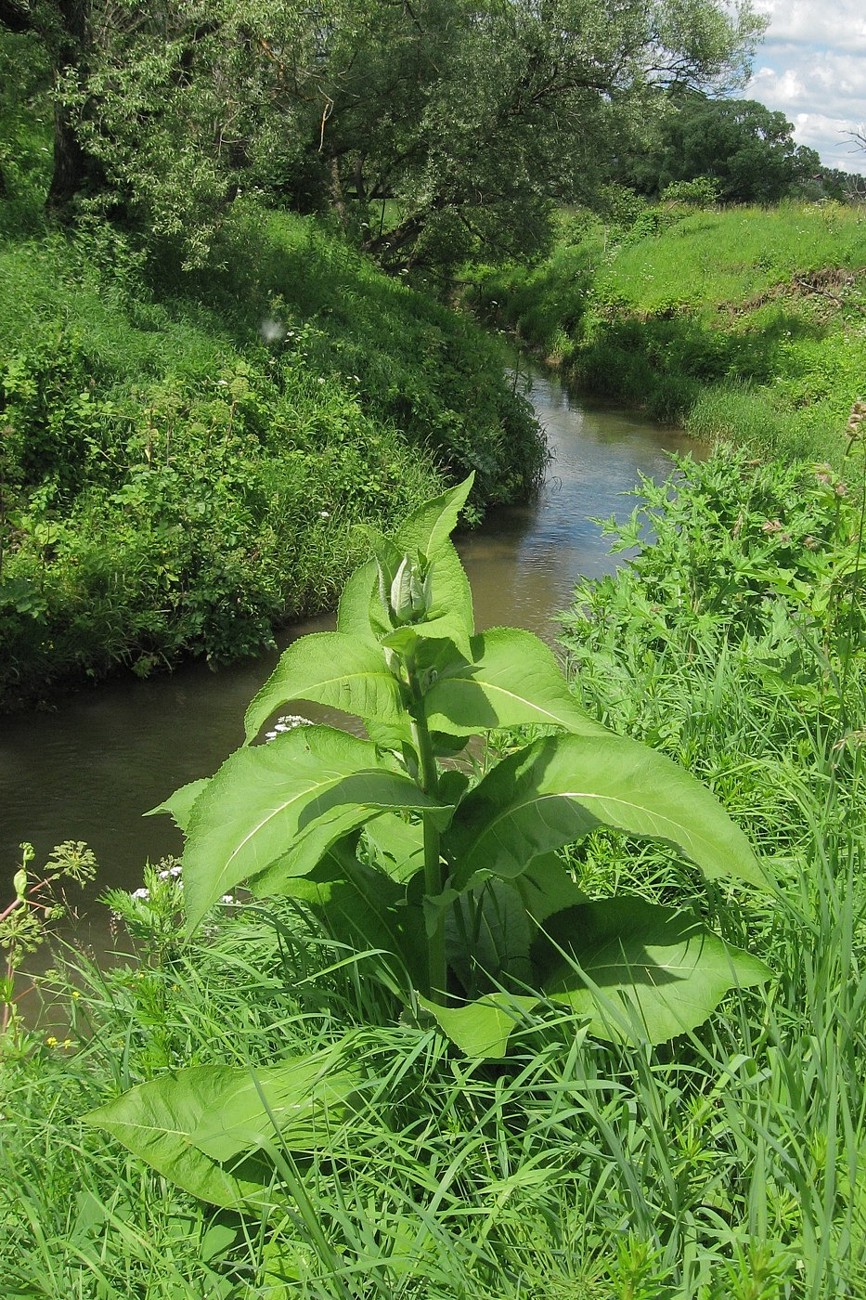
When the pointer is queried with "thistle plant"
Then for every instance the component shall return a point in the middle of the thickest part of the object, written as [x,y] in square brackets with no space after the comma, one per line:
[452,889]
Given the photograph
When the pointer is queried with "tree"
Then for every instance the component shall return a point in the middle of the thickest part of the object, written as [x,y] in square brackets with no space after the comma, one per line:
[473,116]
[151,102]
[748,149]
[64,29]
[470,115]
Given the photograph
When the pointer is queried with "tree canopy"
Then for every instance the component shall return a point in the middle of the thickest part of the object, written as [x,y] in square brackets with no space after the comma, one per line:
[746,148]
[430,127]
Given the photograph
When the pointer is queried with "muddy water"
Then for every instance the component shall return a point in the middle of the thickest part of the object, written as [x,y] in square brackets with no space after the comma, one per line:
[91,769]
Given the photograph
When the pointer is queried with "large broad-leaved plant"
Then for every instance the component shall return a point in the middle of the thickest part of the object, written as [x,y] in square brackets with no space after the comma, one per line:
[454,889]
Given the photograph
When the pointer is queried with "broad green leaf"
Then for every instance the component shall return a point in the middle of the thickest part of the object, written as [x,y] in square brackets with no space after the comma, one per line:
[366,910]
[391,736]
[494,922]
[433,523]
[451,613]
[299,1101]
[640,972]
[388,559]
[180,804]
[545,887]
[511,678]
[203,1127]
[482,1029]
[561,788]
[277,808]
[397,845]
[155,1121]
[353,614]
[488,935]
[402,639]
[334,669]
[361,614]
[352,805]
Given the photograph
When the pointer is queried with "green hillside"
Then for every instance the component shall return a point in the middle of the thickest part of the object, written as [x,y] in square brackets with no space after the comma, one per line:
[745,323]
[185,467]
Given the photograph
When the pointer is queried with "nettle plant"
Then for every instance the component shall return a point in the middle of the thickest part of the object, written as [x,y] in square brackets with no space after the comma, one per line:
[451,892]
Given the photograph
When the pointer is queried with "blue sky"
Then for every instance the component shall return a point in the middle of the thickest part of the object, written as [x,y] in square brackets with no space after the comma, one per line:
[811,66]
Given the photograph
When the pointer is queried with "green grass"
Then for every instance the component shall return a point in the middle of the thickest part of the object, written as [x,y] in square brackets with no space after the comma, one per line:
[746,324]
[187,457]
[727,1165]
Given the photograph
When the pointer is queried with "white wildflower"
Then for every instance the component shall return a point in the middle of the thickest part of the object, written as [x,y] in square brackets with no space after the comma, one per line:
[287,722]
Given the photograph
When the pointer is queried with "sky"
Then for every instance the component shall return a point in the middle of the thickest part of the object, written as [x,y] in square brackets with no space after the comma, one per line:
[811,66]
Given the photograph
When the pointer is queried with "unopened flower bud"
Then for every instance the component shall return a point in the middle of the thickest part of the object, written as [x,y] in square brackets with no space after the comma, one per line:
[410,591]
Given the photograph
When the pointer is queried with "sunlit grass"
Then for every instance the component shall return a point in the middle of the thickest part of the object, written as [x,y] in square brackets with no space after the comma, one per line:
[747,323]
[727,1165]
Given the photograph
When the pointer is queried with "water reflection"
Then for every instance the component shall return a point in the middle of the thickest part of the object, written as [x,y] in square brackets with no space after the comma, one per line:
[525,564]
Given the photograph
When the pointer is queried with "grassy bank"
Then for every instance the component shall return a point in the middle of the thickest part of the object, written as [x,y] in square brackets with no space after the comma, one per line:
[725,1165]
[185,459]
[745,323]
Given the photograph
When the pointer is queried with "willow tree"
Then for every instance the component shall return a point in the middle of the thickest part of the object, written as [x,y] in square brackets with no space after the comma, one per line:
[473,114]
[161,110]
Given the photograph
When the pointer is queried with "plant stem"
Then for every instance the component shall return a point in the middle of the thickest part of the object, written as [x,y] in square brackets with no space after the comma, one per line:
[433,882]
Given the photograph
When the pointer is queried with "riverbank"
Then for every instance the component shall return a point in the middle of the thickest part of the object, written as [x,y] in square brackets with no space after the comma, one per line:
[728,1163]
[746,324]
[523,562]
[186,458]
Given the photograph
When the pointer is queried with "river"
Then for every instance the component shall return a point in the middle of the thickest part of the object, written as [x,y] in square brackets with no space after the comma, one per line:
[89,770]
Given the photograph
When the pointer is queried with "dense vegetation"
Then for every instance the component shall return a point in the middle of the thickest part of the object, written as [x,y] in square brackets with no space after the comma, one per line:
[727,1164]
[199,395]
[480,1046]
[162,115]
[182,468]
[742,150]
[745,323]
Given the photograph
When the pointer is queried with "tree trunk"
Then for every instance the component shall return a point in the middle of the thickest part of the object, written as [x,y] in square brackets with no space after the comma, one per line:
[337,196]
[75,171]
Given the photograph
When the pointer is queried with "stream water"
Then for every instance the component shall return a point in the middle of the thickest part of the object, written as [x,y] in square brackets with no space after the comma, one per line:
[89,770]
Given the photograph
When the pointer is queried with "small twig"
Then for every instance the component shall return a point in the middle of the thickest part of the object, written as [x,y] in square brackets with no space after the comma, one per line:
[326,113]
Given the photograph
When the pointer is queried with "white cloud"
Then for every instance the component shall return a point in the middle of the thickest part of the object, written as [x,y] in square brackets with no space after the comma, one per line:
[812,67]
[836,23]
